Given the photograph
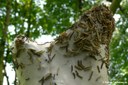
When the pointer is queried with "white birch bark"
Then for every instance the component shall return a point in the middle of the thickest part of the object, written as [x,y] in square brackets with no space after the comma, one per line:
[78,56]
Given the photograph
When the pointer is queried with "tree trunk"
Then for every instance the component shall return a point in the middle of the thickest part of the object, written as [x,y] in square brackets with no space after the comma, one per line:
[3,40]
[78,56]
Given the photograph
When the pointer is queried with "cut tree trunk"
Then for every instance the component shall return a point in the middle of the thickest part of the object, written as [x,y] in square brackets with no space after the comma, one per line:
[78,56]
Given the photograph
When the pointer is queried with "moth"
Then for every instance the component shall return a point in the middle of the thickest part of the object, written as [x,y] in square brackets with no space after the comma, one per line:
[93,57]
[90,76]
[74,75]
[27,79]
[78,67]
[70,35]
[98,78]
[78,75]
[71,68]
[98,69]
[79,63]
[41,80]
[47,76]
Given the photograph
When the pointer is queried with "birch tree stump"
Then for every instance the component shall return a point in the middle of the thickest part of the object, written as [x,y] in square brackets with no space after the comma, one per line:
[78,56]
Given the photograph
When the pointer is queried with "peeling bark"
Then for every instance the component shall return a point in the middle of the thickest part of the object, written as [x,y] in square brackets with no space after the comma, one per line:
[79,56]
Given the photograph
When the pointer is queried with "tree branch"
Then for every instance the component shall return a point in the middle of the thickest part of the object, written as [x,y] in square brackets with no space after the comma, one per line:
[115,4]
[16,4]
[29,19]
[5,74]
[3,39]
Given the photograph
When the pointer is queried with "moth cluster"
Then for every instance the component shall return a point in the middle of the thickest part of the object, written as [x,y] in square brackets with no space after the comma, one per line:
[94,28]
[80,67]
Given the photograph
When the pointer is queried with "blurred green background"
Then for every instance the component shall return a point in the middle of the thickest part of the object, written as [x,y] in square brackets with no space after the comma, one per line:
[51,17]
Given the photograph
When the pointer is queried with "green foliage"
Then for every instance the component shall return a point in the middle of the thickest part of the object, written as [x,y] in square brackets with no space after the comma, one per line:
[119,49]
